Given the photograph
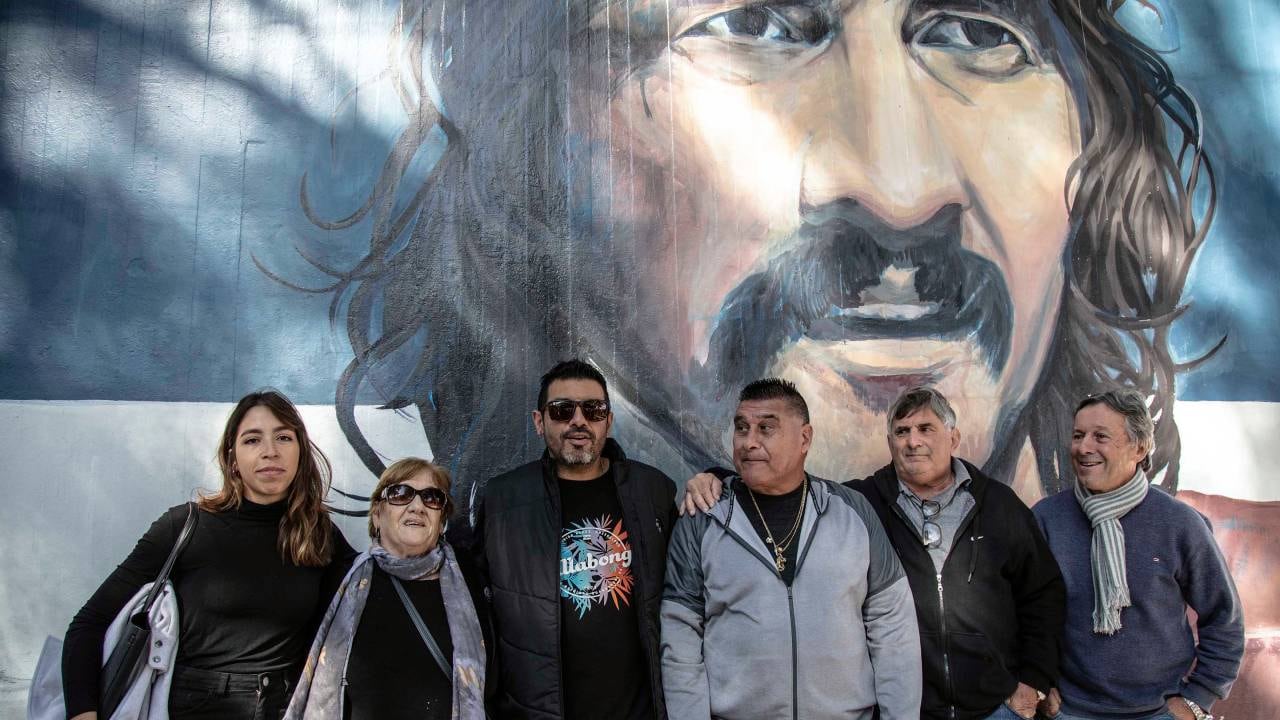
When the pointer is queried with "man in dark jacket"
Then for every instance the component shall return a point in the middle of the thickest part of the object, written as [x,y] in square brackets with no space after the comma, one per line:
[573,549]
[990,600]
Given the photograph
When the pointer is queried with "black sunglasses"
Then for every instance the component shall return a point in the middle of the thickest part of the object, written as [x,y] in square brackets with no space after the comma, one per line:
[563,410]
[401,494]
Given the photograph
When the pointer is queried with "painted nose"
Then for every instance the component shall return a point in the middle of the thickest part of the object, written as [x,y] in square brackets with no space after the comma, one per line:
[881,146]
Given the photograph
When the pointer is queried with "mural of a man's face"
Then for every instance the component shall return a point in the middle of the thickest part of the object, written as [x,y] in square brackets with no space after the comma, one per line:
[857,196]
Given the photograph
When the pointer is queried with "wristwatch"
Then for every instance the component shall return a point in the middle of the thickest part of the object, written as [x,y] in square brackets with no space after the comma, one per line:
[1196,709]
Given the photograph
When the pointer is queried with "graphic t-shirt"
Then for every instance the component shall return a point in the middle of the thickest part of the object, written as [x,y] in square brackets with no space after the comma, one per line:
[605,675]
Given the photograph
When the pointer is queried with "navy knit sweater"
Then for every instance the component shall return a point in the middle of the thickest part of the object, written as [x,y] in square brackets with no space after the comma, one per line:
[1172,562]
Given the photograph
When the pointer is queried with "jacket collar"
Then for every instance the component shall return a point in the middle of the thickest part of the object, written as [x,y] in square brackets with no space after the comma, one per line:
[819,493]
[885,481]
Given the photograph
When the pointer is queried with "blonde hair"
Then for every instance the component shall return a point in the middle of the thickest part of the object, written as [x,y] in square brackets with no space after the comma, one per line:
[403,470]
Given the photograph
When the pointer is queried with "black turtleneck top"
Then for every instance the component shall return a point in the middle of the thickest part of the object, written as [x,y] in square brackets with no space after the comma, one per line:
[242,608]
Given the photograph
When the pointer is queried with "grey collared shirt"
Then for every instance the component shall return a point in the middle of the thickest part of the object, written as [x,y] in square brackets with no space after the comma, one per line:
[956,502]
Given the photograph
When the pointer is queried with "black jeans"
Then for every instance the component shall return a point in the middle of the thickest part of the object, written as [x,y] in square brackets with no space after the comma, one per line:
[207,695]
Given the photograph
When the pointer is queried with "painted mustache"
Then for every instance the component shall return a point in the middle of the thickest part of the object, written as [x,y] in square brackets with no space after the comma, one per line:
[848,276]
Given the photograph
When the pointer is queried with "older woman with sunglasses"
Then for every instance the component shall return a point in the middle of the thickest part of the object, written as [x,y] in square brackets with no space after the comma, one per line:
[402,638]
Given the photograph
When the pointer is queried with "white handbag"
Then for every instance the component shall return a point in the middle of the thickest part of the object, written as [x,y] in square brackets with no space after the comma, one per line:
[148,697]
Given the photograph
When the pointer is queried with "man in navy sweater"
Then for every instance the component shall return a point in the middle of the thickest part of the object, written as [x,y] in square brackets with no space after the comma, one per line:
[1134,559]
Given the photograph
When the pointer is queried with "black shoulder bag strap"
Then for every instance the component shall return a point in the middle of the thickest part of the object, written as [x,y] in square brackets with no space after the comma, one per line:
[126,657]
[445,667]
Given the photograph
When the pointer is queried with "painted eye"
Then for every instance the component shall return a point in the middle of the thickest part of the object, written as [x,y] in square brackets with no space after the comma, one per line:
[774,23]
[760,42]
[963,33]
[978,45]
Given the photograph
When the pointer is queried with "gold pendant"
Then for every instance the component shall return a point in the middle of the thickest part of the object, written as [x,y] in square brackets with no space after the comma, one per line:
[781,562]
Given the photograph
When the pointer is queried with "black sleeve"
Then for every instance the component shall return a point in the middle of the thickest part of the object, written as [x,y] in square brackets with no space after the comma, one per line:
[665,506]
[468,545]
[340,559]
[863,485]
[475,548]
[719,472]
[82,648]
[1041,600]
[673,514]
[477,590]
[339,564]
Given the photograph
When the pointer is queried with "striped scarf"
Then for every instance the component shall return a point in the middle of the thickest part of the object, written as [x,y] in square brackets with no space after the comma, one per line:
[1106,554]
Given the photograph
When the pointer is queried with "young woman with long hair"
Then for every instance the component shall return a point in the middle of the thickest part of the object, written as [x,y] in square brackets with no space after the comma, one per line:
[253,580]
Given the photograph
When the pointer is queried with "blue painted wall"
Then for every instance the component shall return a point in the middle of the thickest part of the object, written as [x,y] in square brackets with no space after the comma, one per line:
[149,153]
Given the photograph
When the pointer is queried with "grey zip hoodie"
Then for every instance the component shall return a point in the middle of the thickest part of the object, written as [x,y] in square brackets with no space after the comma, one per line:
[739,643]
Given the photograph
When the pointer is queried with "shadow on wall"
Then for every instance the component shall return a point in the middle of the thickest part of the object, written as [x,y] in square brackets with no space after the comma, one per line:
[148,154]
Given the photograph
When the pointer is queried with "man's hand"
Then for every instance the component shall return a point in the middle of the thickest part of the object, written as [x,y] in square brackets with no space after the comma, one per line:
[700,492]
[1023,701]
[1179,709]
[1051,705]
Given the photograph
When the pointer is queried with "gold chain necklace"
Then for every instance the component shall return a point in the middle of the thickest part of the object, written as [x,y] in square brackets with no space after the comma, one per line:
[779,548]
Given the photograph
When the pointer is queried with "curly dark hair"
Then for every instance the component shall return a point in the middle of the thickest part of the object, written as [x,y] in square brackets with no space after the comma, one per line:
[499,216]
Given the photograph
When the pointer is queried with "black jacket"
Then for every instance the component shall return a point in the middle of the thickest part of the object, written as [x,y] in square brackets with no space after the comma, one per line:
[994,616]
[515,543]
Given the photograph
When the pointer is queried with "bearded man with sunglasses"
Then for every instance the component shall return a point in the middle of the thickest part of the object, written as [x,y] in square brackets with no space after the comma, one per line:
[573,549]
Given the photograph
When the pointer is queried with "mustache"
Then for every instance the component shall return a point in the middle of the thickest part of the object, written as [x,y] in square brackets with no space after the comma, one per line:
[834,283]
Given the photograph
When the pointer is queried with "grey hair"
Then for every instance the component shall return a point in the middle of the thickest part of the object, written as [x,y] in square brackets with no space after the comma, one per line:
[919,397]
[1138,424]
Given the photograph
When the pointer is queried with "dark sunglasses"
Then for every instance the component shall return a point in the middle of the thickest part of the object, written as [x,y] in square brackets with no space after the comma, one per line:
[401,494]
[563,410]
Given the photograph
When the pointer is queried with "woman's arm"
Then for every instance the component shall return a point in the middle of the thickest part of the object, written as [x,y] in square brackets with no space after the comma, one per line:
[82,648]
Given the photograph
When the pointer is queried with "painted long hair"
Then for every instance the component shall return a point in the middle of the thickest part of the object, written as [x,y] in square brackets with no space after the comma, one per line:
[457,306]
[306,536]
[1137,234]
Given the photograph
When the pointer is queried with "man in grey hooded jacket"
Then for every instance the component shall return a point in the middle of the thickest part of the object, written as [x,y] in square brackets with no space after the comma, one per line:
[787,599]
